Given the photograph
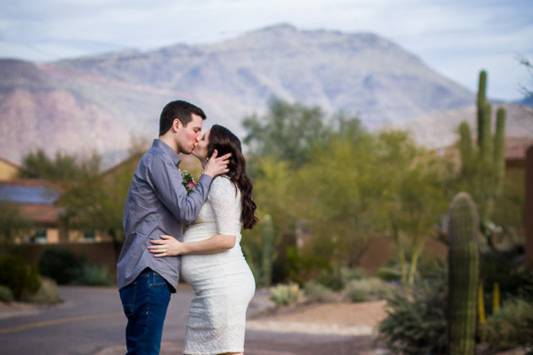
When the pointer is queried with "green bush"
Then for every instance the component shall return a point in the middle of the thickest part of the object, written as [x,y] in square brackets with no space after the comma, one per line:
[370,289]
[303,266]
[48,293]
[349,274]
[315,292]
[5,294]
[356,295]
[416,322]
[331,279]
[511,327]
[387,273]
[19,276]
[61,265]
[285,295]
[93,275]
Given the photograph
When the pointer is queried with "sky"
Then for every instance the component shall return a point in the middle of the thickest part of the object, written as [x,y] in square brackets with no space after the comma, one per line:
[456,38]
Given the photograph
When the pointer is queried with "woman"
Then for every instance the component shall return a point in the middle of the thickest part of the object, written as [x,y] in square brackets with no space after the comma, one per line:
[212,260]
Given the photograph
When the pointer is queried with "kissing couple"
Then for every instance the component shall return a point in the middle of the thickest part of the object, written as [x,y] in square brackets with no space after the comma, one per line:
[170,231]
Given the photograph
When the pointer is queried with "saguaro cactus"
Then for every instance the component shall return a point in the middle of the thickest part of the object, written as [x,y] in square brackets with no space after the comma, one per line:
[483,165]
[528,208]
[480,102]
[499,148]
[463,278]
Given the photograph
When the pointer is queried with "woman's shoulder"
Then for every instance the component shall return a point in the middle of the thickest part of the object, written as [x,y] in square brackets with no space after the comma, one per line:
[222,184]
[222,180]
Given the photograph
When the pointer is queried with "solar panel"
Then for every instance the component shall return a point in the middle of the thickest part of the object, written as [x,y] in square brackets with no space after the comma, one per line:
[28,194]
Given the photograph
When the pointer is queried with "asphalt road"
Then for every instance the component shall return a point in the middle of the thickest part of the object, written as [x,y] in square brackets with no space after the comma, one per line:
[90,321]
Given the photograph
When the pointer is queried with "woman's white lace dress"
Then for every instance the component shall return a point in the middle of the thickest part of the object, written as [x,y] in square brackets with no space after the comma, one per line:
[223,283]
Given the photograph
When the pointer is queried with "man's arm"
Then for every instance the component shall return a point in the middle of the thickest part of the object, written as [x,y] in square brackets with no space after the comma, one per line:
[167,184]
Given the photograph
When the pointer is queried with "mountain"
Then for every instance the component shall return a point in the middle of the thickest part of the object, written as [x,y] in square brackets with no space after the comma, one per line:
[99,102]
[438,129]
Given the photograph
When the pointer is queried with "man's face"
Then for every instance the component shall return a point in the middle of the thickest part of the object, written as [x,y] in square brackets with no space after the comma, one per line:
[200,150]
[187,136]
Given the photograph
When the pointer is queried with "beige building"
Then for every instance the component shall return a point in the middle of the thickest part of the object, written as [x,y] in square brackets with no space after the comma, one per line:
[8,170]
[35,203]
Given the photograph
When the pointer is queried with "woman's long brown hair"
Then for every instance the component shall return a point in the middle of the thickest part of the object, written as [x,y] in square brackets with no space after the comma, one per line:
[221,139]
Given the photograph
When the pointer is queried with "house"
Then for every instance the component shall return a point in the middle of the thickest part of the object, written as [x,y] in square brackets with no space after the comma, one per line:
[8,170]
[35,203]
[515,151]
[34,200]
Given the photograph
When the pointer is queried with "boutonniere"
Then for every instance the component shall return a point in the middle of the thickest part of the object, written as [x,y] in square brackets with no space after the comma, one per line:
[188,181]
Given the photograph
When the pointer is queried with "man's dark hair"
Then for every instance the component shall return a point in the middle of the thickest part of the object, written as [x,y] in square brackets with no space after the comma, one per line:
[182,110]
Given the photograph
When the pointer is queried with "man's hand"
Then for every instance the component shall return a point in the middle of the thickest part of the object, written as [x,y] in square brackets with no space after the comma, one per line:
[167,246]
[217,165]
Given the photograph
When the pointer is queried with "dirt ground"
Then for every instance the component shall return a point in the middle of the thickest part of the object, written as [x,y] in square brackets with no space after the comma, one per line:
[328,318]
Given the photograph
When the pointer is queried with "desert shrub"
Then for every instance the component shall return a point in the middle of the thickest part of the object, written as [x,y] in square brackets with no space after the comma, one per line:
[304,266]
[48,293]
[19,276]
[315,292]
[286,294]
[387,273]
[331,279]
[94,275]
[511,327]
[61,265]
[504,268]
[369,289]
[5,294]
[416,322]
[349,274]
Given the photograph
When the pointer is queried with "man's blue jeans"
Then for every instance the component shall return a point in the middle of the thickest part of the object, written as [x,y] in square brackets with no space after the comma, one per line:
[145,303]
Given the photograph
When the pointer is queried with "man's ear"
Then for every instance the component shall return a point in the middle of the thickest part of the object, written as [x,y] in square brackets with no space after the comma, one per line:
[176,125]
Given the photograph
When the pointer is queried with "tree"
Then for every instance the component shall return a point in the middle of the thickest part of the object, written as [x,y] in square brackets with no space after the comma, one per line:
[362,185]
[415,197]
[11,221]
[63,168]
[97,202]
[287,132]
[338,196]
[272,193]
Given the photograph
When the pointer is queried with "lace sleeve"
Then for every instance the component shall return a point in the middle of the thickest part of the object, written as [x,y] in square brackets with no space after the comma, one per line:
[225,200]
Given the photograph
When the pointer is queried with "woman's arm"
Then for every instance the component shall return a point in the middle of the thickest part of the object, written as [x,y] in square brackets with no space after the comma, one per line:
[170,246]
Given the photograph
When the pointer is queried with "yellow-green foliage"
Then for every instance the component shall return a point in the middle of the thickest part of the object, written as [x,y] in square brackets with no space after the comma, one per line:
[370,289]
[511,327]
[342,187]
[5,294]
[48,293]
[315,292]
[19,276]
[286,294]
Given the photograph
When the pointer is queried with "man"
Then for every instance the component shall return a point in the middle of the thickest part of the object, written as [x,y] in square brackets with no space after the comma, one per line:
[158,204]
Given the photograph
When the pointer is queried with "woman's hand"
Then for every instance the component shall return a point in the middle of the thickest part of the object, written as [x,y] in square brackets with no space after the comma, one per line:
[167,246]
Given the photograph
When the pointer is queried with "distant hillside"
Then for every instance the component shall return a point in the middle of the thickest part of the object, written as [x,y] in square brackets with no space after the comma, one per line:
[438,129]
[97,103]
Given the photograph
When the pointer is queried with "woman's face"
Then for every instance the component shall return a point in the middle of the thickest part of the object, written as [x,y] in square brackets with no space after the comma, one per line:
[200,150]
